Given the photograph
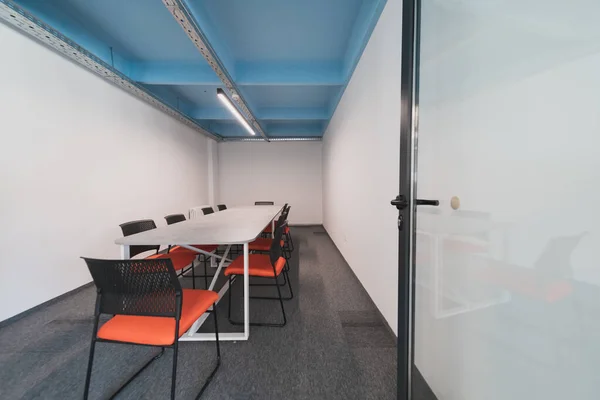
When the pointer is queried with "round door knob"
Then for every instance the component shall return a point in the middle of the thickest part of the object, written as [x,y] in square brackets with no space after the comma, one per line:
[455,203]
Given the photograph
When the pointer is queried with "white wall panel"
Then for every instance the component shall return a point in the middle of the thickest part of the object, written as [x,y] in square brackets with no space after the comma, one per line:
[78,157]
[360,165]
[284,172]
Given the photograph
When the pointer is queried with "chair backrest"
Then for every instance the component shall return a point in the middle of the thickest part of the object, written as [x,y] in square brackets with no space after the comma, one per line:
[275,251]
[136,287]
[174,218]
[133,227]
[222,207]
[208,210]
[264,203]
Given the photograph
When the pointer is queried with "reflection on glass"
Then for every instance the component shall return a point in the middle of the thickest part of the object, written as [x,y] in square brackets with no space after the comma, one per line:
[508,286]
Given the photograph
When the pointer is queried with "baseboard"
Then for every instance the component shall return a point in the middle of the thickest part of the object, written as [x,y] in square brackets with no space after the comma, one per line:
[385,323]
[25,313]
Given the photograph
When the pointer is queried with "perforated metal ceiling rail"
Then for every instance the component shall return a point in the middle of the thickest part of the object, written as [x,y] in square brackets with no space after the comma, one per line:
[30,25]
[193,31]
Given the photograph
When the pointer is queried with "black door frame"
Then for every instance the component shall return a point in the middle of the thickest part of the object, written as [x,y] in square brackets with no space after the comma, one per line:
[406,226]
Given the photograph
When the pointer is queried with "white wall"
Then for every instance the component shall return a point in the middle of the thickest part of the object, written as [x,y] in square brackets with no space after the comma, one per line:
[361,166]
[284,172]
[78,157]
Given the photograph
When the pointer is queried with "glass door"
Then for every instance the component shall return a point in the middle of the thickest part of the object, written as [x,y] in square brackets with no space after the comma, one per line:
[507,267]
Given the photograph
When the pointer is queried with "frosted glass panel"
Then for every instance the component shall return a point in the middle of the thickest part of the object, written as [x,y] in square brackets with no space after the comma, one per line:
[508,286]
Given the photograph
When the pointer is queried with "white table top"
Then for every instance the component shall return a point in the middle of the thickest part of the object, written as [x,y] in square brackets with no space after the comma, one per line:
[232,226]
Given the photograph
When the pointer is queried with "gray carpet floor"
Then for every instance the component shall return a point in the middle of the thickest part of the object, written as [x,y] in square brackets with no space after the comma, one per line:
[335,346]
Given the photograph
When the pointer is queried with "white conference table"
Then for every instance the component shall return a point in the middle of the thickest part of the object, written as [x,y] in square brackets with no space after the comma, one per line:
[239,225]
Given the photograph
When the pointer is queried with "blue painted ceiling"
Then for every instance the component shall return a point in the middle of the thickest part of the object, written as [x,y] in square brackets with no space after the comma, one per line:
[290,59]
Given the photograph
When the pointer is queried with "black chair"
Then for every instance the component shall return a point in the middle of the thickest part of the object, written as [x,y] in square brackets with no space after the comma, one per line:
[264,203]
[133,227]
[203,258]
[289,243]
[183,261]
[263,266]
[263,245]
[174,218]
[149,308]
[222,207]
[207,210]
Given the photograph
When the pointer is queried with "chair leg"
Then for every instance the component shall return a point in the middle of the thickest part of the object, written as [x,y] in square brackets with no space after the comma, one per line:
[214,371]
[174,373]
[156,357]
[286,278]
[88,375]
[229,305]
[277,325]
[281,303]
[205,273]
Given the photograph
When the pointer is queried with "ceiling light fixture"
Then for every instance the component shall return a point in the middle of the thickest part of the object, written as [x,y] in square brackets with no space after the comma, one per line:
[225,100]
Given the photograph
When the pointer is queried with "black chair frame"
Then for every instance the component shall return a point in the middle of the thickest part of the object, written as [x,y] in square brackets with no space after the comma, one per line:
[202,258]
[109,275]
[281,221]
[274,255]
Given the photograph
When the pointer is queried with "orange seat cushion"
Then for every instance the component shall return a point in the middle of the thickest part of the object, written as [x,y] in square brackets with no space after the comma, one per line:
[180,259]
[258,265]
[268,229]
[287,230]
[158,331]
[260,244]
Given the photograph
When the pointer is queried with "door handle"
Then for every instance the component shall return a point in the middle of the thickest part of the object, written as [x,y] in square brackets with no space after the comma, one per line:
[423,202]
[400,202]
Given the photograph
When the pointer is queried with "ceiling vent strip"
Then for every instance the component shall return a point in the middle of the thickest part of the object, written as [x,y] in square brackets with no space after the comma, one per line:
[30,25]
[272,139]
[193,31]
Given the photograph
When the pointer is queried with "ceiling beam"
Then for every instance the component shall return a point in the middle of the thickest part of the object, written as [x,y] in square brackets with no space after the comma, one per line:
[185,19]
[173,73]
[290,73]
[247,74]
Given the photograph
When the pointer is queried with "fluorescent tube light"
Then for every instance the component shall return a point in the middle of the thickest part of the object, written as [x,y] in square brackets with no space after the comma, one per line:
[225,100]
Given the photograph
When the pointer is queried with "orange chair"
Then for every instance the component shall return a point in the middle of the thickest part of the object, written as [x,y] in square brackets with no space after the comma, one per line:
[149,308]
[182,261]
[262,266]
[175,218]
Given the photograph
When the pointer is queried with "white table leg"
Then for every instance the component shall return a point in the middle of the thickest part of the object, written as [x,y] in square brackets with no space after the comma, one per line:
[246,293]
[273,228]
[124,252]
[196,325]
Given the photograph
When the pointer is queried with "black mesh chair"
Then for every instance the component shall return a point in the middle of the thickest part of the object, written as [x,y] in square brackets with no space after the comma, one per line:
[287,233]
[263,245]
[133,227]
[203,258]
[222,207]
[264,203]
[261,266]
[183,261]
[207,210]
[149,308]
[174,218]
